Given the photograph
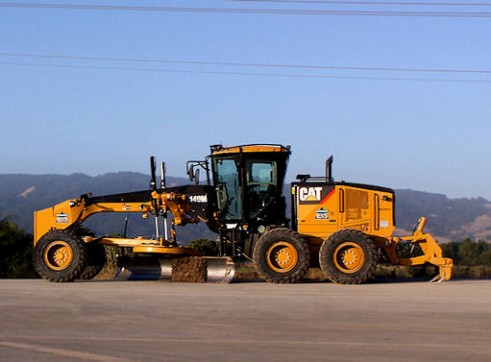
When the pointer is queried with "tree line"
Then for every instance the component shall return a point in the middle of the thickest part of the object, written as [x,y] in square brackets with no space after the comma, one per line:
[16,248]
[468,252]
[15,251]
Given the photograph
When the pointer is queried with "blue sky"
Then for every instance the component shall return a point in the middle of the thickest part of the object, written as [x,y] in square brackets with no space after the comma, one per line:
[427,131]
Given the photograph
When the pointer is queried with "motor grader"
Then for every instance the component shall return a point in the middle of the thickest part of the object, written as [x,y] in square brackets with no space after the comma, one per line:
[344,228]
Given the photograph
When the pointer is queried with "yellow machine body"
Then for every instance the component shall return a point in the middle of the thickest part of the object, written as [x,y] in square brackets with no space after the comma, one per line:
[345,228]
[68,214]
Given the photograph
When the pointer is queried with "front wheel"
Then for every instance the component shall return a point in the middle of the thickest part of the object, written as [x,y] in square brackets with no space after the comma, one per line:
[281,256]
[348,257]
[60,256]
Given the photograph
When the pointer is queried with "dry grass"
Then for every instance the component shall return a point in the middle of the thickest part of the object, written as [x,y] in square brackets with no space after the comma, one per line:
[472,272]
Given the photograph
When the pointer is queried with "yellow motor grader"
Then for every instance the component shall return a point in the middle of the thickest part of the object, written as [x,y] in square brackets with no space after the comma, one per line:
[345,228]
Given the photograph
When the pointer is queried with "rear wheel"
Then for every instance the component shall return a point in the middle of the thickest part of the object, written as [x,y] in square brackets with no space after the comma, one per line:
[281,256]
[60,256]
[348,257]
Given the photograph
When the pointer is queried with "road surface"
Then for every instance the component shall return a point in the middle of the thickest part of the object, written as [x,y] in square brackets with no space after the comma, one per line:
[248,321]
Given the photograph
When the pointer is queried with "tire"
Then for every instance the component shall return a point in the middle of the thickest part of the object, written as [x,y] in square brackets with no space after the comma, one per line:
[348,257]
[60,256]
[281,256]
[95,262]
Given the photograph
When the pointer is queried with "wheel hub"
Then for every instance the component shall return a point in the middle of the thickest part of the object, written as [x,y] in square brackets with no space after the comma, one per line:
[349,257]
[58,255]
[282,257]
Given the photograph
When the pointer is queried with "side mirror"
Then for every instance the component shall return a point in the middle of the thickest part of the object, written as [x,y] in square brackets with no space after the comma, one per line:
[190,172]
[193,174]
[196,176]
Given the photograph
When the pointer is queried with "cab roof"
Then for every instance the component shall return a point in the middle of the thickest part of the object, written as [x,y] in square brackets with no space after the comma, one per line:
[252,148]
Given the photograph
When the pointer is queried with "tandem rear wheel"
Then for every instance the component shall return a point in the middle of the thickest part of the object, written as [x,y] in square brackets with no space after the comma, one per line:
[281,256]
[348,257]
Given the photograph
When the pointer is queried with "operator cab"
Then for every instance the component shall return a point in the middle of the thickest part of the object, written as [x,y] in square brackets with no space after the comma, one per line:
[248,181]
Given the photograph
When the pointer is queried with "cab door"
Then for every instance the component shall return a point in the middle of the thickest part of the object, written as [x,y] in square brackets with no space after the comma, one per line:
[261,176]
[229,189]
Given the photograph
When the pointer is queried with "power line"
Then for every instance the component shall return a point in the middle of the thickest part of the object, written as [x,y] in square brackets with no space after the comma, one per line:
[440,14]
[237,73]
[366,3]
[251,65]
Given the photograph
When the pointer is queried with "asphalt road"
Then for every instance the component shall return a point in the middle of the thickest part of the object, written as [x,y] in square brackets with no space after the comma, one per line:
[164,321]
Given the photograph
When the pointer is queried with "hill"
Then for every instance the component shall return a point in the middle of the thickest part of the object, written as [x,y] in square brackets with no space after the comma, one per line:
[448,219]
[20,195]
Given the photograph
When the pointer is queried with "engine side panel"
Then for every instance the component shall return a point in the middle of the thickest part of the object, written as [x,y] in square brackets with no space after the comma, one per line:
[320,209]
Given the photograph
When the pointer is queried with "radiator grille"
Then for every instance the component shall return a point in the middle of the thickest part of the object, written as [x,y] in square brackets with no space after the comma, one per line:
[356,201]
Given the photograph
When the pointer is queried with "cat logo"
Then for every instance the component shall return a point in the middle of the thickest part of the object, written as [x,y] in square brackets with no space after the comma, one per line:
[310,193]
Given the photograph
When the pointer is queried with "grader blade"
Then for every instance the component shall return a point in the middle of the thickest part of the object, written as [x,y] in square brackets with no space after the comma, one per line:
[188,269]
[220,270]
